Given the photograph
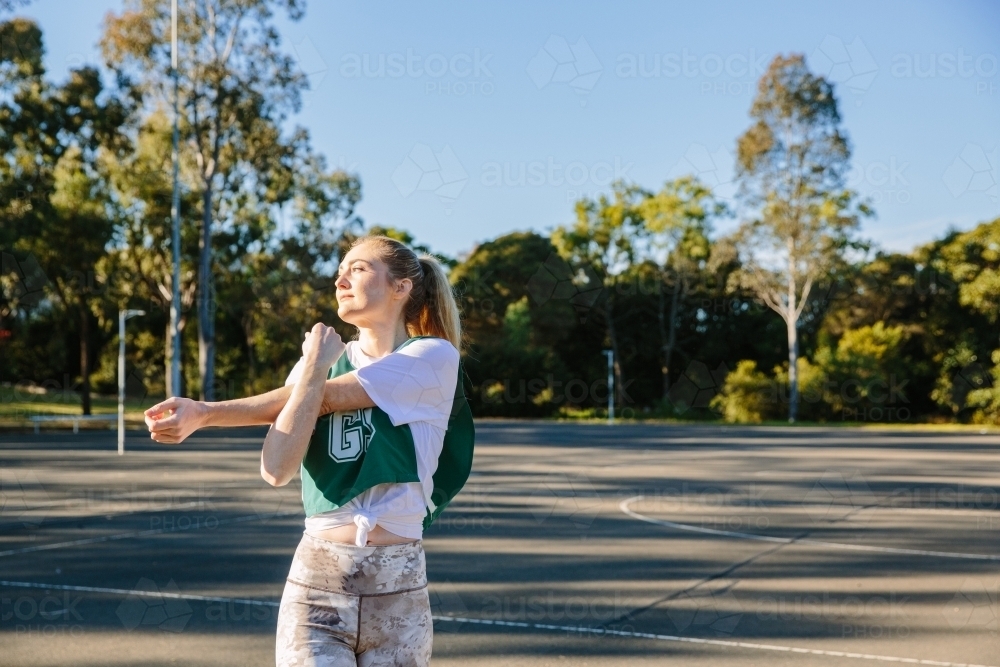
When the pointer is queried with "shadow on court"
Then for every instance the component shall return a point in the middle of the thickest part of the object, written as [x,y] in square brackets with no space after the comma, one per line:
[793,546]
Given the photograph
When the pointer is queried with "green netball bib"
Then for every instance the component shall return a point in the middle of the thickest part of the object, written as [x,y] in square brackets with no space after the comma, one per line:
[352,451]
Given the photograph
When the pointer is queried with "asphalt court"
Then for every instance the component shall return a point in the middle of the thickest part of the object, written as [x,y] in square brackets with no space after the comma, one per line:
[571,544]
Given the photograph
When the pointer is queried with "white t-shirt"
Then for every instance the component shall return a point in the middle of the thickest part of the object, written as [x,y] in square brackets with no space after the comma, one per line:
[415,386]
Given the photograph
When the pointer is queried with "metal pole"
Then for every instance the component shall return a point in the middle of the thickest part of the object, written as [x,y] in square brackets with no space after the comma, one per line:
[175,208]
[610,354]
[122,316]
[121,382]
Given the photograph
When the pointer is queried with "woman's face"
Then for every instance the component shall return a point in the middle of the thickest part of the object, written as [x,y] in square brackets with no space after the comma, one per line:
[365,294]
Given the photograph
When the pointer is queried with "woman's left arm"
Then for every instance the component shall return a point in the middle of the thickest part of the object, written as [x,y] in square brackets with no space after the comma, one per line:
[288,438]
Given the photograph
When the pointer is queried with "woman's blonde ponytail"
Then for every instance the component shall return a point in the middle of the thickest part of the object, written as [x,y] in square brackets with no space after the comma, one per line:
[439,315]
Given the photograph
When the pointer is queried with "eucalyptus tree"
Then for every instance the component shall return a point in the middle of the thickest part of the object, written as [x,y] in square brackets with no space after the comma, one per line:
[800,219]
[235,87]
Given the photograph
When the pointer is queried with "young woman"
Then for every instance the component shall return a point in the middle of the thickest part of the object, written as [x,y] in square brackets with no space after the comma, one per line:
[391,449]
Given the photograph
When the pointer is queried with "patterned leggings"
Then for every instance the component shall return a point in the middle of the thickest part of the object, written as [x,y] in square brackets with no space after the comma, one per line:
[358,606]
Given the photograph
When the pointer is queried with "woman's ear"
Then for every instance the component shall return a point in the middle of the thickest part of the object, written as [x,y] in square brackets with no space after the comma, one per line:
[403,287]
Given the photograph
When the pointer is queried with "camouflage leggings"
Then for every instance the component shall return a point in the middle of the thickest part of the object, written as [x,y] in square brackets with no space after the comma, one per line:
[357,606]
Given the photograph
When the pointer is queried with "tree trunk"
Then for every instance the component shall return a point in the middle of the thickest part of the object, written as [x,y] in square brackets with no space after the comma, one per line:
[668,334]
[793,350]
[85,358]
[793,372]
[248,334]
[206,302]
[169,359]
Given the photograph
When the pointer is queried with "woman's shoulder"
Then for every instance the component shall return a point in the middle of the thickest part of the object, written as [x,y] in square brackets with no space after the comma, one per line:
[430,347]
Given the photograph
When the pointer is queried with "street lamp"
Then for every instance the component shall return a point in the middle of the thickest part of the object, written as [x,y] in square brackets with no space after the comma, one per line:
[122,316]
[610,354]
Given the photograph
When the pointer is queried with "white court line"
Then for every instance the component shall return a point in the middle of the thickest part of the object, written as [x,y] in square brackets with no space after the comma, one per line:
[129,495]
[122,591]
[85,517]
[624,507]
[142,533]
[535,626]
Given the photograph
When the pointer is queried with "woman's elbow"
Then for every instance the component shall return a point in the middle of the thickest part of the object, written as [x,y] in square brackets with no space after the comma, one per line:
[274,475]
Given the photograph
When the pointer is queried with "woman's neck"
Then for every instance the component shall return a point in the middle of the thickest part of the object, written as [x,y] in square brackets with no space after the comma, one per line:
[378,341]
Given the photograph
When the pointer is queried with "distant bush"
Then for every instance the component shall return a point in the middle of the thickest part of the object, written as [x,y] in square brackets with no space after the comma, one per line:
[746,395]
[987,399]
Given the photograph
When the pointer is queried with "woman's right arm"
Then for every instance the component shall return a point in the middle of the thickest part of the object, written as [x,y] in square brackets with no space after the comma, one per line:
[187,416]
[176,418]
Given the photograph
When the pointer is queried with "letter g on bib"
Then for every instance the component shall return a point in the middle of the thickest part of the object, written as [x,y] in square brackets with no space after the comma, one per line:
[350,434]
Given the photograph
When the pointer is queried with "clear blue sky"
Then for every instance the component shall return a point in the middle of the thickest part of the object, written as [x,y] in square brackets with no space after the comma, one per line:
[573,94]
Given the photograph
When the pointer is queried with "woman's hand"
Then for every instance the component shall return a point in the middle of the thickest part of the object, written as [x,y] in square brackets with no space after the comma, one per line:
[322,348]
[174,419]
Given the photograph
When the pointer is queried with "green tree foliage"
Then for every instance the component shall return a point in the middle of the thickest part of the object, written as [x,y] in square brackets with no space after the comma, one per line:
[986,399]
[138,267]
[677,224]
[56,207]
[866,371]
[966,383]
[514,325]
[746,396]
[602,240]
[863,375]
[973,260]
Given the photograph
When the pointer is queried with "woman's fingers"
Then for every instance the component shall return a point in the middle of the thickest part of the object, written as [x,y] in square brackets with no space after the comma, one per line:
[160,408]
[165,423]
[171,437]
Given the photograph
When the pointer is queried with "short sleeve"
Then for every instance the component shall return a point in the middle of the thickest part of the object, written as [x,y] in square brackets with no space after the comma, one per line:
[414,384]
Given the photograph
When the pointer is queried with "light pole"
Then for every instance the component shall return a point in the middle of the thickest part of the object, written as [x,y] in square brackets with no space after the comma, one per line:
[175,207]
[610,354]
[122,316]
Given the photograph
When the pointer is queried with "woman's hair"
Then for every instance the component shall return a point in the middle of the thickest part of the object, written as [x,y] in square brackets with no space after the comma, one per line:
[431,310]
